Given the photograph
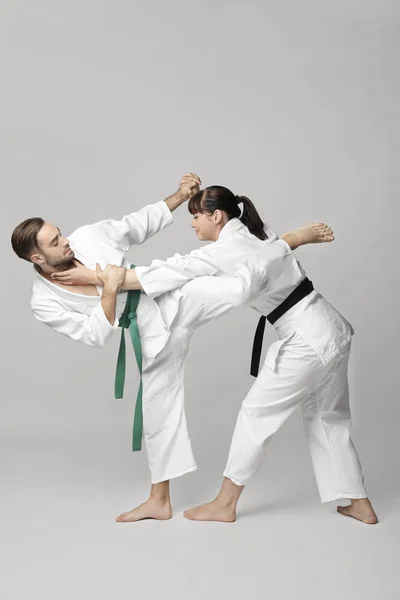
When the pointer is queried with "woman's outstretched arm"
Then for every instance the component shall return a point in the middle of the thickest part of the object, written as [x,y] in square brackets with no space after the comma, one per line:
[182,268]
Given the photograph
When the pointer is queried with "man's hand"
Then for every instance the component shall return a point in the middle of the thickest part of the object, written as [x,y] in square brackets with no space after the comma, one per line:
[189,184]
[112,276]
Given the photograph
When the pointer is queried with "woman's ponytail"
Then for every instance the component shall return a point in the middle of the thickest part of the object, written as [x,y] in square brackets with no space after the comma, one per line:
[251,218]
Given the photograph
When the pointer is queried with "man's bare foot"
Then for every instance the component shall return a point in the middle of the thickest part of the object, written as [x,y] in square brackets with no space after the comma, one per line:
[212,511]
[148,510]
[360,509]
[314,233]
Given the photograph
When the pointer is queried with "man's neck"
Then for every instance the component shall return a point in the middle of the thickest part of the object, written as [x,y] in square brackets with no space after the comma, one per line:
[46,270]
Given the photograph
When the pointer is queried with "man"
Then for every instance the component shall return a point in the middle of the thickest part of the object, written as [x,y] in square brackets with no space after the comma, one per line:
[89,312]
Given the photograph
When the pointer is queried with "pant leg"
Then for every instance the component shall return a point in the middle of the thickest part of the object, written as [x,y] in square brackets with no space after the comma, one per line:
[164,421]
[327,422]
[274,396]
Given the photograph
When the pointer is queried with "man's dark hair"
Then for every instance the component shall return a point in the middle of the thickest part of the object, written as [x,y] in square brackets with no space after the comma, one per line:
[24,237]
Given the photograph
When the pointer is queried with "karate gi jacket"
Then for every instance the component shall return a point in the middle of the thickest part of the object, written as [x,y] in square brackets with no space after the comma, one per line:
[82,317]
[317,321]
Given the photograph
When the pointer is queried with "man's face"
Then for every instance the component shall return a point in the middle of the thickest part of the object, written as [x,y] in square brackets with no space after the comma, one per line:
[53,248]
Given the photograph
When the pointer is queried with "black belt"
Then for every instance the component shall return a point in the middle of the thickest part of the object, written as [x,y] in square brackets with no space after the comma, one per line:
[302,290]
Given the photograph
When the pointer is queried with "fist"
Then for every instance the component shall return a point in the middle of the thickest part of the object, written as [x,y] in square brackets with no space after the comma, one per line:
[189,184]
[111,276]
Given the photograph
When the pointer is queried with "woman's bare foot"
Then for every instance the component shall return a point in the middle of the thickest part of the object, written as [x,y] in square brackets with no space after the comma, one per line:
[148,510]
[212,511]
[360,509]
[222,509]
[314,233]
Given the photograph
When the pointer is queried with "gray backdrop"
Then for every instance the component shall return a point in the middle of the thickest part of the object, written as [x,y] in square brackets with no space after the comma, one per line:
[103,106]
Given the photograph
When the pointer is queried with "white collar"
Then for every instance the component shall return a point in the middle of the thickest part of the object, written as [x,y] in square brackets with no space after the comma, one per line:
[232,226]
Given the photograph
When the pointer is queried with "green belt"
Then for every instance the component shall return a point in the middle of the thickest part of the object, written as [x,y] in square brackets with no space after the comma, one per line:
[128,321]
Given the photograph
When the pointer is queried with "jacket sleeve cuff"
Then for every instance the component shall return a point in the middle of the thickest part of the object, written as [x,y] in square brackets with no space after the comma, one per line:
[147,281]
[99,315]
[165,212]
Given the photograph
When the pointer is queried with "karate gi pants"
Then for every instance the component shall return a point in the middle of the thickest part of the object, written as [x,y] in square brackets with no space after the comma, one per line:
[293,375]
[164,422]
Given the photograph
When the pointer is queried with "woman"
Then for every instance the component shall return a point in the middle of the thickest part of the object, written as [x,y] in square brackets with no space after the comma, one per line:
[312,351]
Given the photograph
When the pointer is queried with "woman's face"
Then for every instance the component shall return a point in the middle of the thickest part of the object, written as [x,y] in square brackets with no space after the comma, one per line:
[205,227]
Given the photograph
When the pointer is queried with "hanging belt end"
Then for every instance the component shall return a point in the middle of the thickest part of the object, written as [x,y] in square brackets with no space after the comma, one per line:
[136,445]
[254,371]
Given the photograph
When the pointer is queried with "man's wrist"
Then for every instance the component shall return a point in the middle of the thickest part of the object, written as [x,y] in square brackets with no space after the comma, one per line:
[181,195]
[176,199]
[111,288]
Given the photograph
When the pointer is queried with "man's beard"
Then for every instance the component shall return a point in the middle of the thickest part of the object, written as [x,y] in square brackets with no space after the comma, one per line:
[61,263]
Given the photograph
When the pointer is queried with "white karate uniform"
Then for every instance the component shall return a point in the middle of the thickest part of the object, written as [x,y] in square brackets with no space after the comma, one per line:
[165,326]
[306,366]
[82,317]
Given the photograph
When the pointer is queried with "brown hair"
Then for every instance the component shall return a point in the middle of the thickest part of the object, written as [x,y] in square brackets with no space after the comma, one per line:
[23,239]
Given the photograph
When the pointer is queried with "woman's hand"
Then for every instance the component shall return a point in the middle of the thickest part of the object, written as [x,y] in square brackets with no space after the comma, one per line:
[81,275]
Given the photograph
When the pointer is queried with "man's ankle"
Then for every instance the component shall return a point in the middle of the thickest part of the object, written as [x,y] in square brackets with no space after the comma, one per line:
[160,493]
